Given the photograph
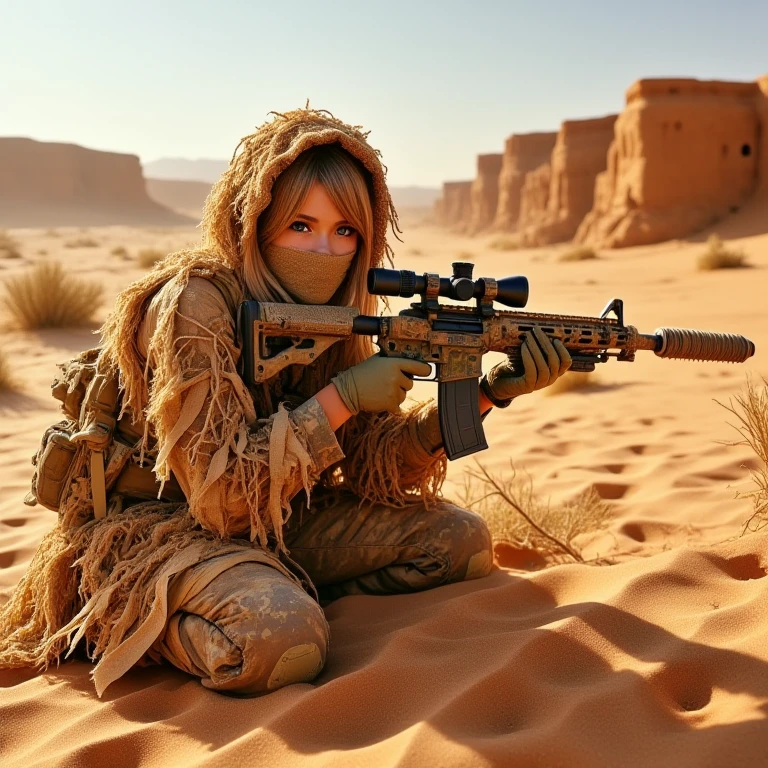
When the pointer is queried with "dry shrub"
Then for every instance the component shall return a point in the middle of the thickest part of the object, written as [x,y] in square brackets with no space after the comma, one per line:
[45,296]
[751,409]
[52,233]
[42,252]
[582,253]
[516,515]
[9,246]
[718,256]
[82,242]
[573,381]
[120,251]
[465,256]
[148,257]
[414,251]
[504,243]
[7,382]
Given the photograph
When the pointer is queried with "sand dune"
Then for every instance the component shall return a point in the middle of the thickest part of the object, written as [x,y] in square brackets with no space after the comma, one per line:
[657,660]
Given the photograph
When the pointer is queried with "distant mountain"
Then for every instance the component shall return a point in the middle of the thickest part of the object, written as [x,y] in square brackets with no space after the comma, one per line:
[52,184]
[180,169]
[414,197]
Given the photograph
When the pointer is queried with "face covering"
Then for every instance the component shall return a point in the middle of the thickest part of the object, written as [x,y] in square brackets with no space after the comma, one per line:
[310,278]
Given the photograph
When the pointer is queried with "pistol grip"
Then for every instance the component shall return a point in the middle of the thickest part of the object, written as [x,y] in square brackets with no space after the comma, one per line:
[458,410]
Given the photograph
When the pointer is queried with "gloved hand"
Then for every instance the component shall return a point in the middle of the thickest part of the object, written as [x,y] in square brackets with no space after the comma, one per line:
[544,361]
[378,383]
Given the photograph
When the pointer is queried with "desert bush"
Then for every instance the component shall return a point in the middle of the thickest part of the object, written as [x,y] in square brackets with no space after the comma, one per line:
[414,251]
[718,256]
[9,246]
[504,243]
[582,253]
[573,381]
[465,256]
[52,233]
[517,515]
[42,252]
[148,257]
[120,251]
[46,296]
[82,242]
[7,382]
[751,410]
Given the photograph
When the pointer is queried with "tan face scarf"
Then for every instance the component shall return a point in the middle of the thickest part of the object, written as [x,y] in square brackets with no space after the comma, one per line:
[310,278]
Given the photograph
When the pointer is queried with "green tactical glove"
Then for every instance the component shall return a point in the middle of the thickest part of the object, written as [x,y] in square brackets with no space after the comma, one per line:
[378,383]
[544,362]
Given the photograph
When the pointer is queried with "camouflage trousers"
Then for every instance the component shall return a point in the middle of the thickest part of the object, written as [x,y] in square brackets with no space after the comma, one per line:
[253,629]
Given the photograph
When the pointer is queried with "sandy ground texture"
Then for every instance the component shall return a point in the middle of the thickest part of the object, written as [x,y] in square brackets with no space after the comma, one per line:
[660,659]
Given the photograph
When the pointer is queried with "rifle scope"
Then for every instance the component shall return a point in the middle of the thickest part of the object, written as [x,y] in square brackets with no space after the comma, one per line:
[511,291]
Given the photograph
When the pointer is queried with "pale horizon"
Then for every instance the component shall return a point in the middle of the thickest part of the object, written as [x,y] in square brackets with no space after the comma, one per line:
[436,84]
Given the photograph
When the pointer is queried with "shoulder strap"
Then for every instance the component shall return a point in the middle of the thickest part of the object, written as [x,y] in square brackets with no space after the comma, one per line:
[97,427]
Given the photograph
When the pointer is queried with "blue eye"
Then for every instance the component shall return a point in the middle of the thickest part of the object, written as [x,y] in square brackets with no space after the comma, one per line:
[297,226]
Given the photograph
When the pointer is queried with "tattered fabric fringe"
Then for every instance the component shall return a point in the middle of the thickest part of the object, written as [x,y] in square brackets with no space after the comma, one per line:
[45,599]
[373,468]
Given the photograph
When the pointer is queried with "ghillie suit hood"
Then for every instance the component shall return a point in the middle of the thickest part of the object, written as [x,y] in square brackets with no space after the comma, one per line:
[229,227]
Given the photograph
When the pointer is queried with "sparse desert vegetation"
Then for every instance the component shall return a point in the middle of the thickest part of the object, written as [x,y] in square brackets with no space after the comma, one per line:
[9,246]
[504,243]
[46,296]
[719,256]
[581,253]
[519,516]
[7,382]
[120,251]
[751,410]
[82,242]
[148,257]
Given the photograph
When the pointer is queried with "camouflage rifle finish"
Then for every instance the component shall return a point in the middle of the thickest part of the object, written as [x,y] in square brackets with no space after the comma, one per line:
[454,338]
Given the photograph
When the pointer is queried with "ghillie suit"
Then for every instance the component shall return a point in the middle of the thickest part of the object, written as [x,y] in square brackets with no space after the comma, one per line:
[230,463]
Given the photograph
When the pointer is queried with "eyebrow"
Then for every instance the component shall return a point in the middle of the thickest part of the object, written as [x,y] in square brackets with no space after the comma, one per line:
[306,217]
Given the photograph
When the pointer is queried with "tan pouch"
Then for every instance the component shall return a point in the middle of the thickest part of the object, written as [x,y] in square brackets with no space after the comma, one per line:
[55,463]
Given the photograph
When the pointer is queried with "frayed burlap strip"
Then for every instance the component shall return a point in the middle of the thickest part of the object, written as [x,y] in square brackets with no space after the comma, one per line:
[374,468]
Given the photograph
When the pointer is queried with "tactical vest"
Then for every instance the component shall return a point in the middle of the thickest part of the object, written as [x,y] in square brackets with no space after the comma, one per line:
[90,442]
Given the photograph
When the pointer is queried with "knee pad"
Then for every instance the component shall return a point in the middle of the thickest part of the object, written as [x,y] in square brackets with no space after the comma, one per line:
[278,633]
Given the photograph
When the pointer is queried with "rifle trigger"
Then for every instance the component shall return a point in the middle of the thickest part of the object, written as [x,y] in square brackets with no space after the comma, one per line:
[433,376]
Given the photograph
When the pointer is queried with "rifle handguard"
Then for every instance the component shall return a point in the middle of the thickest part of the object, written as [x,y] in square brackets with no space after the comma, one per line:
[685,344]
[486,389]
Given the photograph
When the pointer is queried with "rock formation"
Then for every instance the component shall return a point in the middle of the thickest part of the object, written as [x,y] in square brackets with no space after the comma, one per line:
[522,153]
[579,155]
[534,197]
[185,197]
[685,154]
[50,184]
[453,209]
[484,194]
[762,112]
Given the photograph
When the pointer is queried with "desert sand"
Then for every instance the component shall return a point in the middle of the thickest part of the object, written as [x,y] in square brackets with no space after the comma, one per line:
[660,659]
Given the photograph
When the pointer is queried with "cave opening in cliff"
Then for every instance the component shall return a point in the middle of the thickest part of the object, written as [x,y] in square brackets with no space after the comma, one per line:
[746,150]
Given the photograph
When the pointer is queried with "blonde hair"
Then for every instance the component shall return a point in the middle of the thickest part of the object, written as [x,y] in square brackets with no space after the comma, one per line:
[345,181]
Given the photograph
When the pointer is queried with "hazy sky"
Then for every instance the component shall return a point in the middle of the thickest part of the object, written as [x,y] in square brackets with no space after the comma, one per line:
[436,82]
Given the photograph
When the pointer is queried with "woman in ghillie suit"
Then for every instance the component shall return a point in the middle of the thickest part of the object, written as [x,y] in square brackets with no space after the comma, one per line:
[218,570]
